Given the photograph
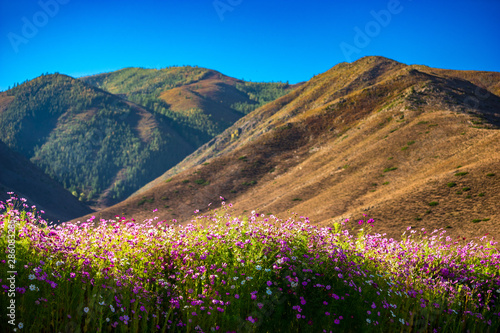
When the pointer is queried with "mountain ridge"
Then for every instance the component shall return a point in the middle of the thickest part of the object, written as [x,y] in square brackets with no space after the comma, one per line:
[341,144]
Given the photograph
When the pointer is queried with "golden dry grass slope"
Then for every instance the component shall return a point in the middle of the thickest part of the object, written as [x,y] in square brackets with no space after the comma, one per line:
[406,145]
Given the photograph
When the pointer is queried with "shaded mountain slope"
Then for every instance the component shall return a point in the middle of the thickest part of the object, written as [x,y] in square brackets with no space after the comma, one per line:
[20,176]
[397,142]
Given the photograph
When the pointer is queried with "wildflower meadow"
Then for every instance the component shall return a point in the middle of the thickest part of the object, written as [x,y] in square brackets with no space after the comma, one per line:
[255,273]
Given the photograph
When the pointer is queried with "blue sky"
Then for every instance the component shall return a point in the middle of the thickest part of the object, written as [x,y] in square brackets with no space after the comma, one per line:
[251,39]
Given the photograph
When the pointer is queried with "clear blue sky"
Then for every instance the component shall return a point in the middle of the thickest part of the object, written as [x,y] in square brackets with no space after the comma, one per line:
[258,40]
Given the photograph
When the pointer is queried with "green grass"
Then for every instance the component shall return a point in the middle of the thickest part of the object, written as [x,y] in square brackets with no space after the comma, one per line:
[481,194]
[490,174]
[433,203]
[476,220]
[185,181]
[459,174]
[296,199]
[144,200]
[168,180]
[202,181]
[390,169]
[465,189]
[451,184]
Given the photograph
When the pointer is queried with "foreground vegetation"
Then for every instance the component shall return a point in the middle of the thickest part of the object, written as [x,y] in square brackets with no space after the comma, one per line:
[256,273]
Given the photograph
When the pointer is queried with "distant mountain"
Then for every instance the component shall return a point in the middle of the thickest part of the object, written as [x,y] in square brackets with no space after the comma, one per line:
[407,145]
[102,146]
[20,176]
[97,145]
[200,99]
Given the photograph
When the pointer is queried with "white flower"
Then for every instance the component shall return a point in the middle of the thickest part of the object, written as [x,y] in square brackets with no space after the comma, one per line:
[112,308]
[86,309]
[243,282]
[101,303]
[20,325]
[235,278]
[107,319]
[269,292]
[258,267]
[402,321]
[32,287]
[31,276]
[368,320]
[233,286]
[59,263]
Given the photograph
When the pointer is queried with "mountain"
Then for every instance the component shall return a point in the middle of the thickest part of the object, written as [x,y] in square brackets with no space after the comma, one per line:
[20,176]
[102,146]
[97,145]
[200,99]
[406,145]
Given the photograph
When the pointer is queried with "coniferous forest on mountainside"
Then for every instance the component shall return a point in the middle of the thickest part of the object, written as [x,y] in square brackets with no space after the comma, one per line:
[105,136]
